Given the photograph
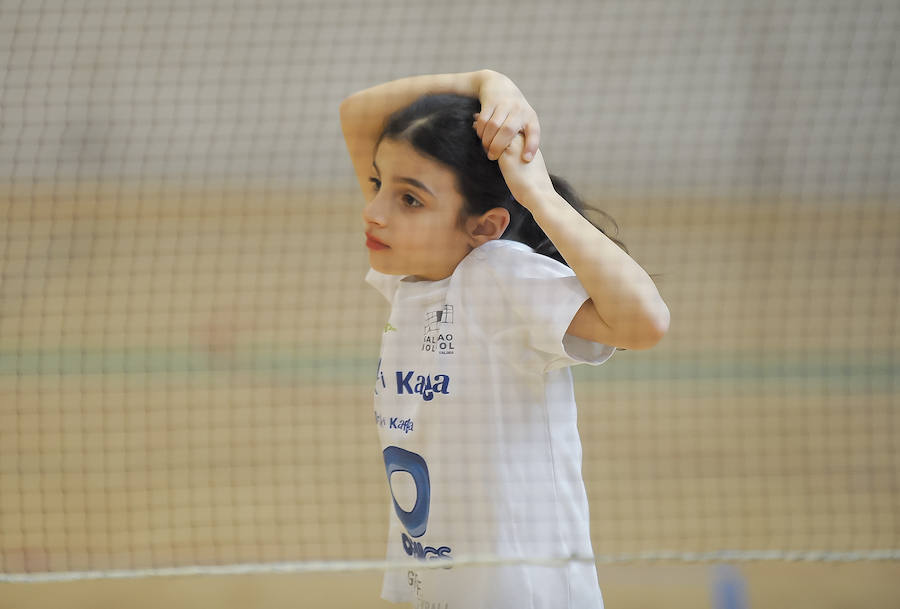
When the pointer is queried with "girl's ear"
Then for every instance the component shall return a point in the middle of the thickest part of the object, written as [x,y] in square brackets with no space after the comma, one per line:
[488,226]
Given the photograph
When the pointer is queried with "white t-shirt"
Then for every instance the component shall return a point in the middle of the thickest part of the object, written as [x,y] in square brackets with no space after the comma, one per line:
[475,410]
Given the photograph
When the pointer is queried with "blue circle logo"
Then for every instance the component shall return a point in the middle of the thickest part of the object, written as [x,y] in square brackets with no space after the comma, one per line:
[397,459]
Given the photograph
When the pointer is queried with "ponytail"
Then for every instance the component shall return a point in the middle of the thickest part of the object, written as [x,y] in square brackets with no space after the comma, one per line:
[524,228]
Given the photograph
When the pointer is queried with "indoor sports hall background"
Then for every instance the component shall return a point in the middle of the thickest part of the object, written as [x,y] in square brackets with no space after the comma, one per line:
[187,346]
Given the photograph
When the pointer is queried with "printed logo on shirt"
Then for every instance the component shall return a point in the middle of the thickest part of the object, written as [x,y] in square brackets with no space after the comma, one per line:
[438,333]
[415,521]
[422,384]
[404,425]
[417,550]
[434,319]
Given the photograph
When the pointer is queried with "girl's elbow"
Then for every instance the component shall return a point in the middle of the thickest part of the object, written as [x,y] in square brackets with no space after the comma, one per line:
[652,330]
[659,325]
[349,108]
[346,108]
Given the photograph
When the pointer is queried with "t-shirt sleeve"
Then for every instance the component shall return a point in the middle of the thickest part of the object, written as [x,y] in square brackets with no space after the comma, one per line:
[385,284]
[538,298]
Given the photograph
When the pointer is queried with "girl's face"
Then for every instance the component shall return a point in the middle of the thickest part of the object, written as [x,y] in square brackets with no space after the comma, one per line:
[412,222]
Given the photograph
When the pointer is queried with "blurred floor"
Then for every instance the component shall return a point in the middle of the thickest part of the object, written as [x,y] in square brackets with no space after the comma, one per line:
[769,586]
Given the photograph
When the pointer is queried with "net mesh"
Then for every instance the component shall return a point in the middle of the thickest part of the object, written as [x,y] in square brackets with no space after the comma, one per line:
[187,346]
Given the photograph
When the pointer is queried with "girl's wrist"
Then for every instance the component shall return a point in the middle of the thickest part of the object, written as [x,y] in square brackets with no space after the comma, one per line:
[480,78]
[541,202]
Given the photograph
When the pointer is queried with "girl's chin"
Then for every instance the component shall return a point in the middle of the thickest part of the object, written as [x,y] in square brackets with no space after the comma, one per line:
[376,263]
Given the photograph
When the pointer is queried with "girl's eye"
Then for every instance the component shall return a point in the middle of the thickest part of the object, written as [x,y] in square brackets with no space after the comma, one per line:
[411,201]
[376,184]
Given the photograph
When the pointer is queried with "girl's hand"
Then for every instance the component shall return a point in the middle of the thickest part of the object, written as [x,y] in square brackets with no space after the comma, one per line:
[504,114]
[529,182]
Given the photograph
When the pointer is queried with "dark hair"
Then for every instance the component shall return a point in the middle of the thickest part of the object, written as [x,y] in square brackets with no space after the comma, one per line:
[440,127]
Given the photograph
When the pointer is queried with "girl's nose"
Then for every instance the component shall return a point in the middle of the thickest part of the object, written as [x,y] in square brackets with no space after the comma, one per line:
[373,212]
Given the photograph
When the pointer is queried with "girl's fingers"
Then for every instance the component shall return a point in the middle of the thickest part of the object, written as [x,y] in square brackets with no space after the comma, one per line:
[503,137]
[482,118]
[532,140]
[498,126]
[491,128]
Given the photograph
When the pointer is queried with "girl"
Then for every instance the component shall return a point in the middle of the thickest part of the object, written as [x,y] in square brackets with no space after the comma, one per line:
[498,285]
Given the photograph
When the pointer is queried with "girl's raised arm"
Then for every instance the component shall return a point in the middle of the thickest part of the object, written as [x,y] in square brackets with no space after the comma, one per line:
[504,113]
[625,308]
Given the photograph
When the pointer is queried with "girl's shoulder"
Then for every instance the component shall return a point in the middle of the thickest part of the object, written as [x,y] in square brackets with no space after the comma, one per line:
[507,260]
[505,273]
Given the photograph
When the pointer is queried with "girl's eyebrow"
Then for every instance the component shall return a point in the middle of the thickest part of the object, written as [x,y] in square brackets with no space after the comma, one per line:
[405,180]
[414,182]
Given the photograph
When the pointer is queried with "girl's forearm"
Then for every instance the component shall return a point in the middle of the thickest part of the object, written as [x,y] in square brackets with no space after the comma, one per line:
[627,308]
[363,113]
[504,113]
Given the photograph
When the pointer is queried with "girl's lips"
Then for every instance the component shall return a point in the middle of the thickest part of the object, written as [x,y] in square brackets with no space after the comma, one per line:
[374,244]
